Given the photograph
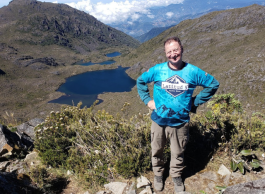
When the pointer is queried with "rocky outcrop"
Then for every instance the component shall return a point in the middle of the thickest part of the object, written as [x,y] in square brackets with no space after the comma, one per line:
[28,60]
[19,141]
[253,187]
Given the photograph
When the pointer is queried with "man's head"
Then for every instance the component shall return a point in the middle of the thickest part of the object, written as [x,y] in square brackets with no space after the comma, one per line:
[173,39]
[174,50]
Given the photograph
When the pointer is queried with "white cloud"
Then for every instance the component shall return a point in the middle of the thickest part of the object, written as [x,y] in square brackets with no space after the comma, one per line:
[169,14]
[120,11]
[151,16]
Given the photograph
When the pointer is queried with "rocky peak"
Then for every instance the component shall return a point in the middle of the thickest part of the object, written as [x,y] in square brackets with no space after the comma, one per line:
[22,1]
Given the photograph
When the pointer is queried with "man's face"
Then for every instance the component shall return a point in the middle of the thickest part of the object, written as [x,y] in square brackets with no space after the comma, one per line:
[173,52]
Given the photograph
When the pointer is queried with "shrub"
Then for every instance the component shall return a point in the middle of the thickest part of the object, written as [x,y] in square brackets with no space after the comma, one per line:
[95,146]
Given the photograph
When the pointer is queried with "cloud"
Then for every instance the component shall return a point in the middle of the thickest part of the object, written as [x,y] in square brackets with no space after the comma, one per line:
[169,14]
[115,12]
[151,16]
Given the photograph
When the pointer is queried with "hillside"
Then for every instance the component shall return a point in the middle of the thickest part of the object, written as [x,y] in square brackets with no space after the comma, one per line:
[227,44]
[151,34]
[39,43]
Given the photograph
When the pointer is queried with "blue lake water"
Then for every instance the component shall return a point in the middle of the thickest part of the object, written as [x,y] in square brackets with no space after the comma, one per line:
[85,87]
[114,54]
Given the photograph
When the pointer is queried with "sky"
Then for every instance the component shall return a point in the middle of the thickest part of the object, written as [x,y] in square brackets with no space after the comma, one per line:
[112,11]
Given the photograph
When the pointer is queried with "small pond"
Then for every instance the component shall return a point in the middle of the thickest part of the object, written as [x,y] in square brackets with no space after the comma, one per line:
[85,87]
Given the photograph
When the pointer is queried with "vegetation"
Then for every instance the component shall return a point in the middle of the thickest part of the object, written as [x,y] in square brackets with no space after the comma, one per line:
[99,147]
[96,146]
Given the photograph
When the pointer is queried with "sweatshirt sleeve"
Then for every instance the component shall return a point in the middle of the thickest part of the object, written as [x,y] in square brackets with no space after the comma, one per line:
[143,90]
[205,95]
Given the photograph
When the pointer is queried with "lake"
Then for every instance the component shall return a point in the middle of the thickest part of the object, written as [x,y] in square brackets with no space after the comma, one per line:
[85,87]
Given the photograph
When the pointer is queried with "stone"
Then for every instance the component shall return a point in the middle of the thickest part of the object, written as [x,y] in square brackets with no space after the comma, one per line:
[227,179]
[31,157]
[86,192]
[253,187]
[210,175]
[142,182]
[223,170]
[3,165]
[16,167]
[146,191]
[101,192]
[131,189]
[116,187]
[8,141]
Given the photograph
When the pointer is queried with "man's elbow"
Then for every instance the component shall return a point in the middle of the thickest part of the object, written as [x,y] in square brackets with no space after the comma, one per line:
[215,84]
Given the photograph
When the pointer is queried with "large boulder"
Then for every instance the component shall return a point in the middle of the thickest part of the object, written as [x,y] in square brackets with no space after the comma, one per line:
[27,128]
[253,187]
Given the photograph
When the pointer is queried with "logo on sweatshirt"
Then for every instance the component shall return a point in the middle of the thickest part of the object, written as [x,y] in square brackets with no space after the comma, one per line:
[175,86]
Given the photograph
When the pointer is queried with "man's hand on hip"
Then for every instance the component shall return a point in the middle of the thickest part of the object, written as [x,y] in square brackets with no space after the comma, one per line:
[151,104]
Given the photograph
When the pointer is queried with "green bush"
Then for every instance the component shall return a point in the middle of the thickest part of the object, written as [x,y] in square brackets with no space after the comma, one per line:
[95,146]
[230,125]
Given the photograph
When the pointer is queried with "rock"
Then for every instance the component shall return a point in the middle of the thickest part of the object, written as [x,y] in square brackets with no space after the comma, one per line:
[131,189]
[223,170]
[8,141]
[210,175]
[28,127]
[101,192]
[142,182]
[3,165]
[147,190]
[16,167]
[116,187]
[253,187]
[86,192]
[26,132]
[32,159]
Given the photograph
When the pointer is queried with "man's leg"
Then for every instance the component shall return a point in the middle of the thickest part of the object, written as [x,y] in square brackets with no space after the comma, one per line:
[158,139]
[179,137]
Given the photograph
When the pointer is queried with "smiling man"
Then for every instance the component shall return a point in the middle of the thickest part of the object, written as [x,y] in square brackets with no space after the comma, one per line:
[174,83]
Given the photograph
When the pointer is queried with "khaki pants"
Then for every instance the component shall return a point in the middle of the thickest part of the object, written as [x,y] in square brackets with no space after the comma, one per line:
[178,137]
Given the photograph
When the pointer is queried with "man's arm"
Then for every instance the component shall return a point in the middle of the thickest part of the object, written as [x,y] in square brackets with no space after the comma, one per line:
[144,94]
[205,95]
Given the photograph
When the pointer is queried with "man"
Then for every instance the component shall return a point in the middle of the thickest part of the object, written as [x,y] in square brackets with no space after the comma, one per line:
[174,83]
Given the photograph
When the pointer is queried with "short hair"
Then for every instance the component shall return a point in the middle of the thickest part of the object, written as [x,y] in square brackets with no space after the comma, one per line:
[173,39]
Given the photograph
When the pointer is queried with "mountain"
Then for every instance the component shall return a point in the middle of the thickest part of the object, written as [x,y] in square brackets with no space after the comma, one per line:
[39,44]
[227,44]
[30,23]
[151,34]
[175,13]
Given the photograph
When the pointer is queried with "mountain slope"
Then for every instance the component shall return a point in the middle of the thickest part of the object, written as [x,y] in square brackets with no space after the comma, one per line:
[227,44]
[32,23]
[38,45]
[152,33]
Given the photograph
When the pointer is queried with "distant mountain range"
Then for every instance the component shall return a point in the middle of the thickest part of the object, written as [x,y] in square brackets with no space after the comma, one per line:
[175,13]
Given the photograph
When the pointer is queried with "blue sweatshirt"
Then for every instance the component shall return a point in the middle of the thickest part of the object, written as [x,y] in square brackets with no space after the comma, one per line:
[173,91]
